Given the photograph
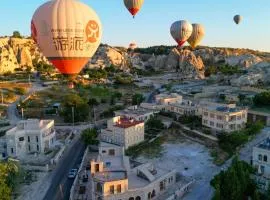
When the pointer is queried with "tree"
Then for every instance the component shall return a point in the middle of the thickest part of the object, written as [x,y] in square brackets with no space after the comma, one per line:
[262,99]
[241,97]
[16,34]
[81,108]
[154,123]
[93,102]
[89,137]
[222,97]
[235,182]
[137,99]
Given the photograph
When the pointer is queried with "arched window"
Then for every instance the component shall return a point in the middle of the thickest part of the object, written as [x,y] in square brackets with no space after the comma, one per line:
[265,158]
[131,198]
[149,195]
[260,157]
[138,198]
[99,188]
[153,194]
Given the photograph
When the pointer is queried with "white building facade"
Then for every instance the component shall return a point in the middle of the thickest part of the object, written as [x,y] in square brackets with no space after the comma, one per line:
[165,99]
[224,118]
[114,178]
[30,136]
[123,131]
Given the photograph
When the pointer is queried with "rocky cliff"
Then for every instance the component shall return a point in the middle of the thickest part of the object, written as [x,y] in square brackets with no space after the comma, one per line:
[20,53]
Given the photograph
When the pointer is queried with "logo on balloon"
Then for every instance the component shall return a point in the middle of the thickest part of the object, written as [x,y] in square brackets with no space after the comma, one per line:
[92,31]
[33,31]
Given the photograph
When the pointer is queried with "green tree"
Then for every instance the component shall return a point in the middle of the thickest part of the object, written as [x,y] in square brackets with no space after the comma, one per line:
[262,99]
[137,99]
[93,102]
[89,137]
[222,97]
[235,183]
[241,97]
[81,108]
[154,123]
[16,34]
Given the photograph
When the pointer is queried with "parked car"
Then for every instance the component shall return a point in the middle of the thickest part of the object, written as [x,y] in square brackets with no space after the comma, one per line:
[72,173]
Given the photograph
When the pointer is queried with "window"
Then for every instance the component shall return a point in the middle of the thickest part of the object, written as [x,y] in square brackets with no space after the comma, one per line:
[118,188]
[212,115]
[28,138]
[212,123]
[97,167]
[37,138]
[219,125]
[112,189]
[37,147]
[265,158]
[138,198]
[205,113]
[108,164]
[149,196]
[205,121]
[239,117]
[260,157]
[104,151]
[111,152]
[99,188]
[161,186]
[219,117]
[153,194]
[12,150]
[29,147]
[21,139]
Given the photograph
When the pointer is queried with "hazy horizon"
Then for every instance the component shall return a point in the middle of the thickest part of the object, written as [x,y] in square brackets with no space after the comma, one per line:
[151,26]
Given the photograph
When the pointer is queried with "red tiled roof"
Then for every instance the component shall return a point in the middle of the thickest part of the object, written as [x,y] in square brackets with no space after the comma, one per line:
[127,123]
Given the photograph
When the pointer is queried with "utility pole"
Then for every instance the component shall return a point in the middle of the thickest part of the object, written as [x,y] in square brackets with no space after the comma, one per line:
[73,118]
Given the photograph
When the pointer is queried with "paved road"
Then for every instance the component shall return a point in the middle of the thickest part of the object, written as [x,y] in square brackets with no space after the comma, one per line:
[60,184]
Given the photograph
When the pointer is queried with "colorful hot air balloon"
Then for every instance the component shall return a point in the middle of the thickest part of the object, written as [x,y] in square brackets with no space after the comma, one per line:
[197,35]
[237,19]
[67,32]
[133,6]
[181,31]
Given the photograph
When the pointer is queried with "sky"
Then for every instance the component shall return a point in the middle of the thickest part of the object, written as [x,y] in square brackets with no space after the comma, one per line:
[152,25]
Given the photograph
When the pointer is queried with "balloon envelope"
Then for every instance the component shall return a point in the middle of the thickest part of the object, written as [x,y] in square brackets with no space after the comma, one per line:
[67,32]
[197,35]
[133,6]
[237,19]
[181,31]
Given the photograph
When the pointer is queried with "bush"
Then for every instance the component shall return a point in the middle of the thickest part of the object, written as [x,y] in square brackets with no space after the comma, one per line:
[89,137]
[137,99]
[262,99]
[154,123]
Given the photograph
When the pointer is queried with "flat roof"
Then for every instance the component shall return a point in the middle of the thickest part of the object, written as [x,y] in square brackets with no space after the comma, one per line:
[138,111]
[265,144]
[108,176]
[224,109]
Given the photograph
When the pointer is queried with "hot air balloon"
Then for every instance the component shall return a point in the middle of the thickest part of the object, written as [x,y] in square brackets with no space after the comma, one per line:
[68,33]
[197,35]
[181,31]
[133,6]
[132,46]
[237,19]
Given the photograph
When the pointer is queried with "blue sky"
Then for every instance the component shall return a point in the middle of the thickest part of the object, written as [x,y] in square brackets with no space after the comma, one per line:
[151,26]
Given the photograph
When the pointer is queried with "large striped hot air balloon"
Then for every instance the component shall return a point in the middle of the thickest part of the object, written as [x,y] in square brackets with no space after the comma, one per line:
[133,6]
[68,33]
[197,35]
[237,19]
[181,31]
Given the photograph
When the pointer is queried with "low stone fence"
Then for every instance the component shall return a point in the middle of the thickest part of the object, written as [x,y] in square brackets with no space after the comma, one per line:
[58,156]
[43,168]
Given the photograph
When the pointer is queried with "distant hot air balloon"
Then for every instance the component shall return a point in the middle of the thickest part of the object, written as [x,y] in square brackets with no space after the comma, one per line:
[67,32]
[133,6]
[237,19]
[197,35]
[132,46]
[181,31]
